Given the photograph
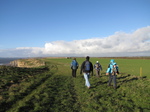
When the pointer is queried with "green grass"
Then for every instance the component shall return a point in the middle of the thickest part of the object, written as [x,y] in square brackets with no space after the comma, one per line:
[53,89]
[126,66]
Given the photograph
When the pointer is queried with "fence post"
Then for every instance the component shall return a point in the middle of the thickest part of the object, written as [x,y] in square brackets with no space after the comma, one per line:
[141,71]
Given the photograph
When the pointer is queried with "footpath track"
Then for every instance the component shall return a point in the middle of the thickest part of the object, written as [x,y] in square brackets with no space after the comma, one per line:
[55,92]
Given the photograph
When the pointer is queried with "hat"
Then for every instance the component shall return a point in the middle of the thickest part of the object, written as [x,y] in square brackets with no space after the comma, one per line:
[112,60]
[96,61]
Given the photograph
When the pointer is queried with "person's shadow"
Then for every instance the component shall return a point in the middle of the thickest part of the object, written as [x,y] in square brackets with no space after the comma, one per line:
[126,79]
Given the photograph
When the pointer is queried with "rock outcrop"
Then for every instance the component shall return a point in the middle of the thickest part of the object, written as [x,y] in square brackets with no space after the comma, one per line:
[28,63]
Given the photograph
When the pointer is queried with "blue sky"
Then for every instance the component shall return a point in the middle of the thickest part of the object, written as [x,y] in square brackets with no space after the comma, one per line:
[35,27]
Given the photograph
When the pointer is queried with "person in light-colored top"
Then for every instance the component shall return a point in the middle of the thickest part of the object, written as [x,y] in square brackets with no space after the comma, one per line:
[112,71]
[98,68]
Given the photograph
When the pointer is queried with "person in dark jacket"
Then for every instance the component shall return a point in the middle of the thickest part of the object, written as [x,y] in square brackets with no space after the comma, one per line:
[86,69]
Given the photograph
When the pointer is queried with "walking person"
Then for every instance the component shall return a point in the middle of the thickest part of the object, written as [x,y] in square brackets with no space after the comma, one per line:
[112,71]
[98,68]
[74,67]
[86,69]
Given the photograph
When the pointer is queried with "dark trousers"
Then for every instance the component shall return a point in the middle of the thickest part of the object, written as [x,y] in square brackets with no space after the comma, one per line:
[74,72]
[114,78]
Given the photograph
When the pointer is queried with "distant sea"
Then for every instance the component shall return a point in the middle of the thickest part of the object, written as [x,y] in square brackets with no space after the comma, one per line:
[6,61]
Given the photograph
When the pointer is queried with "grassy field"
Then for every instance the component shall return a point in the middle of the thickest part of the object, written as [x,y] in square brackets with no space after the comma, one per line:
[126,66]
[53,89]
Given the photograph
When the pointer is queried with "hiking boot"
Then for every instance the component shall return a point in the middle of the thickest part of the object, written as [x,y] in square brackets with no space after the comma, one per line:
[115,88]
[109,85]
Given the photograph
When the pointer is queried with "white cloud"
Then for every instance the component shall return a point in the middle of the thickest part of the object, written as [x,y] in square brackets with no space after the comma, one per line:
[119,44]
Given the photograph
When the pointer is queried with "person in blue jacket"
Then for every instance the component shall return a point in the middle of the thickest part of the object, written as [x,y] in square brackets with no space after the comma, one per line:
[74,67]
[112,71]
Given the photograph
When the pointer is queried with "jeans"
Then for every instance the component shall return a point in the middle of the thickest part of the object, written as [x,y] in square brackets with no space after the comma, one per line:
[86,77]
[112,77]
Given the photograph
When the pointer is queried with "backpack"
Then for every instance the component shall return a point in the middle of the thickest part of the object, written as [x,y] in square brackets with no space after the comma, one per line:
[97,65]
[114,69]
[74,64]
[87,66]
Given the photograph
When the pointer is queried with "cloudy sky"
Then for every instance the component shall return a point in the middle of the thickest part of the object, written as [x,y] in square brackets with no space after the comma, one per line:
[35,28]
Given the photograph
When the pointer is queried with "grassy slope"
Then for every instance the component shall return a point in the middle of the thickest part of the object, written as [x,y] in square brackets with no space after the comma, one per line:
[60,92]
